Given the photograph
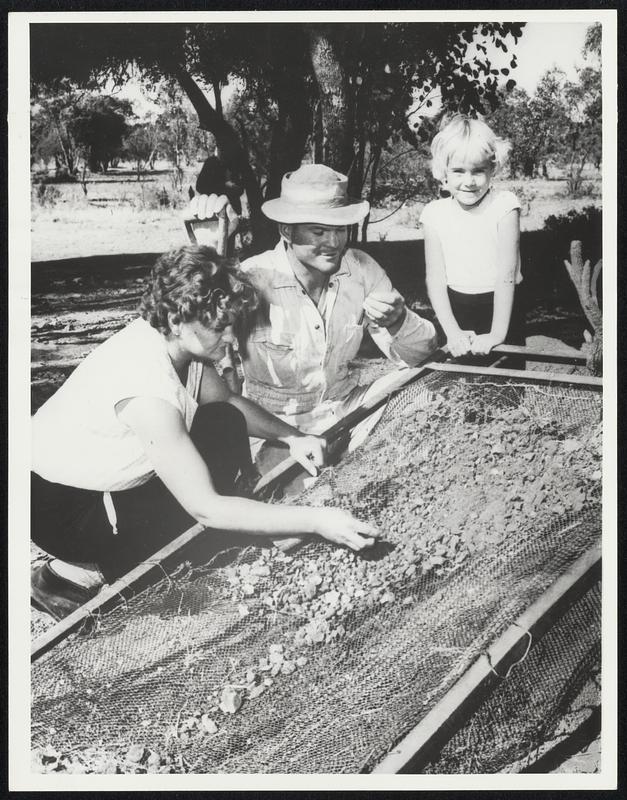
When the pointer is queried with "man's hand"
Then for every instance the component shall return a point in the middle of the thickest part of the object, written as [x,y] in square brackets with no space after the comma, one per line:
[460,343]
[386,309]
[310,451]
[481,345]
[207,207]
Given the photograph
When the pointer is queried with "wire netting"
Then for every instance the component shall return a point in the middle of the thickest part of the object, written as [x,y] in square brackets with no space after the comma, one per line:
[545,700]
[320,661]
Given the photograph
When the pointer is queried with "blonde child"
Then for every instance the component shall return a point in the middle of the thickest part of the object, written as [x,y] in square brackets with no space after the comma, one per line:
[472,241]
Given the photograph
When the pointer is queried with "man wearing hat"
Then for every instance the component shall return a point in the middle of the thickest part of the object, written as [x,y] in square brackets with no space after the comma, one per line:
[320,297]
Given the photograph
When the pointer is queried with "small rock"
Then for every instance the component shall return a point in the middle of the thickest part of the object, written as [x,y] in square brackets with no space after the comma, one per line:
[208,725]
[135,753]
[230,700]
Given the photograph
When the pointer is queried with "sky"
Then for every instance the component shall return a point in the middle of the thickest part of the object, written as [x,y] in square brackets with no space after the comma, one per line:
[544,44]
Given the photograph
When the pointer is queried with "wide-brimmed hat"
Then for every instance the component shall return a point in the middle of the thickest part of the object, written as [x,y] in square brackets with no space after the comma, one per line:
[315,193]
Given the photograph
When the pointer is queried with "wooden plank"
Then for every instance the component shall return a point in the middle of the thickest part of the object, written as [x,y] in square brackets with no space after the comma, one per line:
[110,595]
[586,381]
[574,357]
[425,740]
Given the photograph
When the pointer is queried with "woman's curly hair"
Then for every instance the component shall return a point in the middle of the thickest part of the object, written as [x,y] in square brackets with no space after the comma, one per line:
[194,283]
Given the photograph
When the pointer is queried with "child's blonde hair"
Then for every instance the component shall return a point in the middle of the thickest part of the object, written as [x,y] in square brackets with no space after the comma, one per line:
[469,137]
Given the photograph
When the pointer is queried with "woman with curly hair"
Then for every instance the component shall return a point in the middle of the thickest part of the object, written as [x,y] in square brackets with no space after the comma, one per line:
[144,439]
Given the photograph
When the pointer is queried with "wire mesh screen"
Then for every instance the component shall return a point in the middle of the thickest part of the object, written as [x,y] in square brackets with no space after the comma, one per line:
[546,698]
[319,661]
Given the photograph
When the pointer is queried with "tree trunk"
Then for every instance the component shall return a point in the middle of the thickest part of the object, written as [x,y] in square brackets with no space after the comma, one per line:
[318,136]
[335,99]
[374,167]
[289,136]
[234,156]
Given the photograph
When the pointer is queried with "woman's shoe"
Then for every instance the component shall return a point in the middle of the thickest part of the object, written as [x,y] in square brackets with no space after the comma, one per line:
[55,595]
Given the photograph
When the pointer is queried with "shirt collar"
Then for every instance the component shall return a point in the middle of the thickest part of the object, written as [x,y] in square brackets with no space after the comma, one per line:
[284,275]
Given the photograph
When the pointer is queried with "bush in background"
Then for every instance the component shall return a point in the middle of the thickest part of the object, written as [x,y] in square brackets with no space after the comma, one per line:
[585,225]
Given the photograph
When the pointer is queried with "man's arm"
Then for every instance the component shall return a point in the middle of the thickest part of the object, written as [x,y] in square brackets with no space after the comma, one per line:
[403,336]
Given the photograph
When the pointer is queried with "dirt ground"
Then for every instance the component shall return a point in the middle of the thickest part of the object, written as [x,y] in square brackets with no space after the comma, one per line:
[121,215]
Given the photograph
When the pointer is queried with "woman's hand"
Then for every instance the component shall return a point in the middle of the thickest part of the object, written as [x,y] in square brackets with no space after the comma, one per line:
[310,451]
[341,527]
[481,345]
[460,343]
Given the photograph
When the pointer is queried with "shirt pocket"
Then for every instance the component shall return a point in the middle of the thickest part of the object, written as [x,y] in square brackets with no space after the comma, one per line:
[272,358]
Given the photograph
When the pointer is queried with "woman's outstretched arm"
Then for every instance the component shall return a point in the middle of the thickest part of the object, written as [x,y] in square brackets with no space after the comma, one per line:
[161,430]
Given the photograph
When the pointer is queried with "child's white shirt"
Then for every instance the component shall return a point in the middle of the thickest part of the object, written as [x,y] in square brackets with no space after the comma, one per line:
[469,239]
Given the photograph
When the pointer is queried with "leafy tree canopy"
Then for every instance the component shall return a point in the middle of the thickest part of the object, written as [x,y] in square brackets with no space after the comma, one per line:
[347,90]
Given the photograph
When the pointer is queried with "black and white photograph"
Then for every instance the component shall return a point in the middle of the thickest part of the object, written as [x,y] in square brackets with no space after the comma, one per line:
[313,465]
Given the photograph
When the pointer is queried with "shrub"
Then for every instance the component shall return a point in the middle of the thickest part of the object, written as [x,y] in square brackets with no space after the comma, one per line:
[46,194]
[543,254]
[526,194]
[586,225]
[160,197]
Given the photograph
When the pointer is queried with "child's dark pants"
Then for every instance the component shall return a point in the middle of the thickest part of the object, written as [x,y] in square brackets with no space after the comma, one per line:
[72,524]
[473,312]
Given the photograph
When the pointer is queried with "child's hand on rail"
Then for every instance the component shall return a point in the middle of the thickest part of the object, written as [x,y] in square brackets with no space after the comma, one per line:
[481,345]
[460,343]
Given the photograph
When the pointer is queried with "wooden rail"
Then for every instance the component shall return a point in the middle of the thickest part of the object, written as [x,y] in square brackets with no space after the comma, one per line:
[586,381]
[570,356]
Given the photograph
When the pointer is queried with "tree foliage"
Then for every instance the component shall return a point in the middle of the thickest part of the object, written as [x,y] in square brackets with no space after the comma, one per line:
[345,91]
[100,124]
[533,125]
[77,128]
[560,122]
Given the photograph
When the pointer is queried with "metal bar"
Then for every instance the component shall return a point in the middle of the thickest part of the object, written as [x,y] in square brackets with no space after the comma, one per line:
[588,381]
[574,357]
[427,738]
